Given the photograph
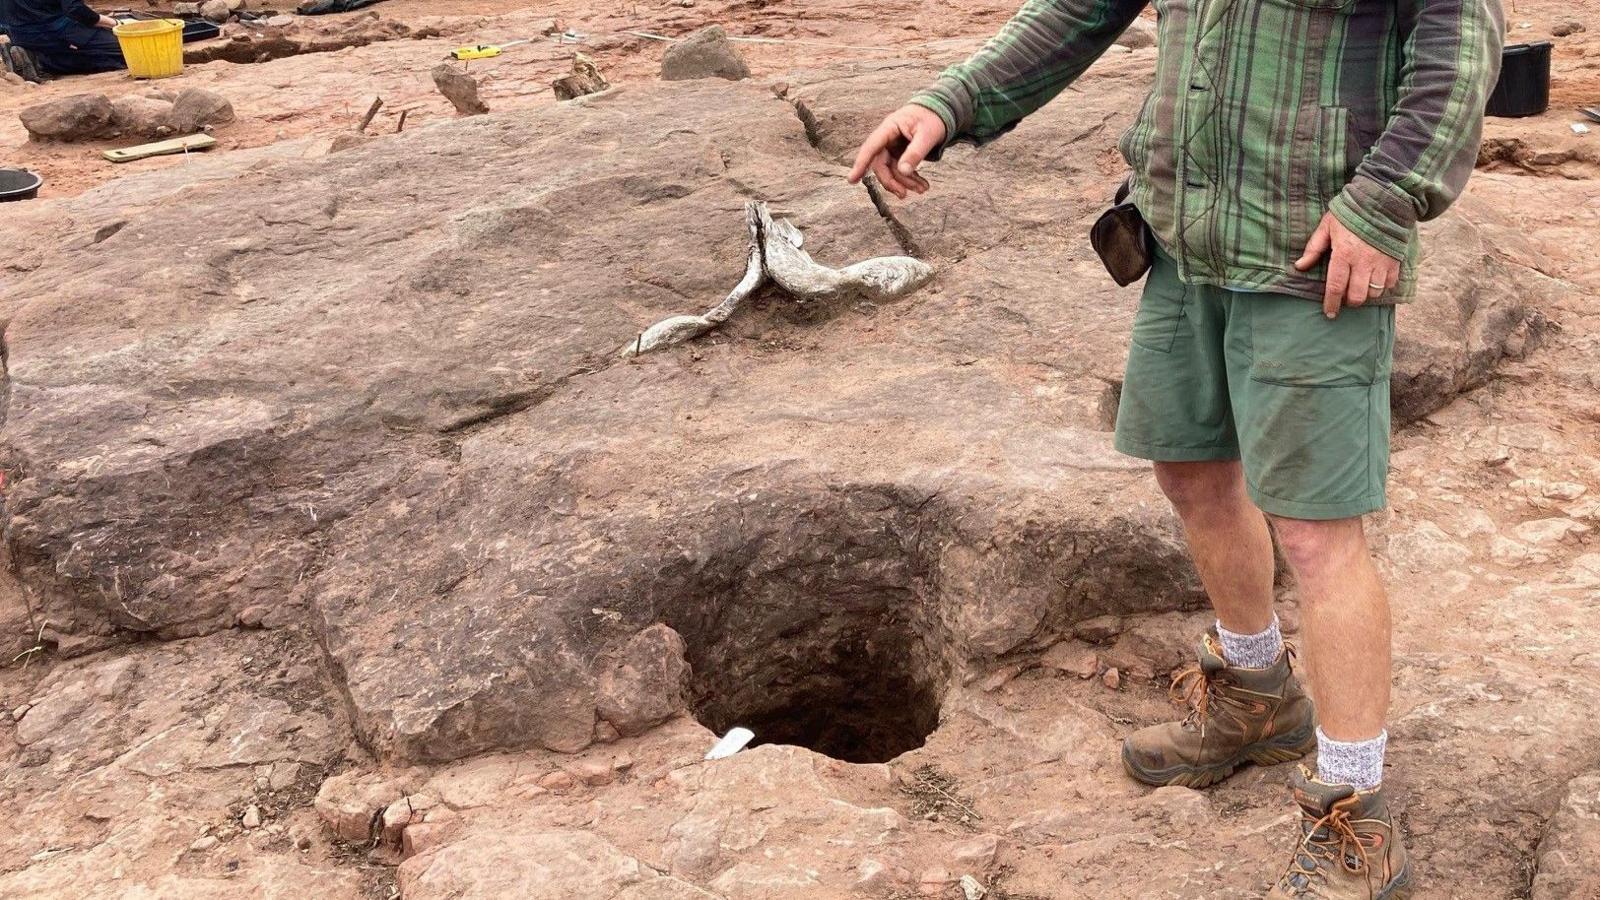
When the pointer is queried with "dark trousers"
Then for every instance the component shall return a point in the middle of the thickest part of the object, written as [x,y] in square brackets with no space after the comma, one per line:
[65,47]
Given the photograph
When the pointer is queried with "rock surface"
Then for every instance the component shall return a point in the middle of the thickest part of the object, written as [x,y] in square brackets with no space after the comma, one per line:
[280,430]
[1569,853]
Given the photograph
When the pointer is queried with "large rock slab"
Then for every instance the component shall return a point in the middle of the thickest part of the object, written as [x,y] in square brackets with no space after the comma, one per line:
[383,388]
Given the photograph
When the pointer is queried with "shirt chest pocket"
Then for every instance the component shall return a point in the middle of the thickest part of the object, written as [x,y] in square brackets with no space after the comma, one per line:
[1333,164]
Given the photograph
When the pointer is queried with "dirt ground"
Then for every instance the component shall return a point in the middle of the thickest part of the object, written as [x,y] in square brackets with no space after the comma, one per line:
[1488,548]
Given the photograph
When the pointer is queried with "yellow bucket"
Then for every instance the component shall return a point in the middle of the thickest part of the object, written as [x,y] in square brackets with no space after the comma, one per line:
[153,49]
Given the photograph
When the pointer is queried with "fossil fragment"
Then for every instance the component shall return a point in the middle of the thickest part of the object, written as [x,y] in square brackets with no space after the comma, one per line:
[584,80]
[777,253]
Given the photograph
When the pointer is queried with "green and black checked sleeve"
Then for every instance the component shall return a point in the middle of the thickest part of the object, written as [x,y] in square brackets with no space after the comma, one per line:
[1044,47]
[1429,148]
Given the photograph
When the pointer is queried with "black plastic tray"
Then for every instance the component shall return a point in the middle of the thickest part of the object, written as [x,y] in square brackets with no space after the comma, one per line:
[200,31]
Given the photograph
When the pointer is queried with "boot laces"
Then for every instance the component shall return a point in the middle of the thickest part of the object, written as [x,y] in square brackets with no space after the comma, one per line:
[1330,840]
[1201,692]
[1204,695]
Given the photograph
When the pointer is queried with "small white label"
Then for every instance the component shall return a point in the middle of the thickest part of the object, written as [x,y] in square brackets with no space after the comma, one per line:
[731,743]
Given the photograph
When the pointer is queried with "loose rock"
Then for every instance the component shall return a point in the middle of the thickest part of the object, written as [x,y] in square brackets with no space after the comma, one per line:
[198,109]
[1072,658]
[460,89]
[646,684]
[142,116]
[584,80]
[705,54]
[349,802]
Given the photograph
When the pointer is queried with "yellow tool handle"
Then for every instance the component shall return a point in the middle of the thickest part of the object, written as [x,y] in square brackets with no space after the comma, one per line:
[481,51]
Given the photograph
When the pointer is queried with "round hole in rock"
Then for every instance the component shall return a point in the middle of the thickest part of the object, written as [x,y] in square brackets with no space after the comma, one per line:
[858,688]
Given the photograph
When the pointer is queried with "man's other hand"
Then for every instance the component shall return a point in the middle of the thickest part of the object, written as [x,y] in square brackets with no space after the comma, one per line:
[895,150]
[106,22]
[1357,271]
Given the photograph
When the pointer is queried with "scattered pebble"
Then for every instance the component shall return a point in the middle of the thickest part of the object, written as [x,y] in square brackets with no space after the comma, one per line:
[252,817]
[204,844]
[1112,679]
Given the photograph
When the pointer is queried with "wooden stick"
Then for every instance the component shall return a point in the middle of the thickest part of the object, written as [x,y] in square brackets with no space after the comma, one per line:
[372,113]
[402,125]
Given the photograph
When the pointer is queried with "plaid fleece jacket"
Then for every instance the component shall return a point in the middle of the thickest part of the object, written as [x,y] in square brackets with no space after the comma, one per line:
[1265,114]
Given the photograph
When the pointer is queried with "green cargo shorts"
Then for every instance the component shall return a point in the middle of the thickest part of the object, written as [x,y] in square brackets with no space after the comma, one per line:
[1267,379]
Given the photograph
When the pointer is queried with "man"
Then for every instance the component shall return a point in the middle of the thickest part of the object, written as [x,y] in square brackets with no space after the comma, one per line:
[63,37]
[1283,160]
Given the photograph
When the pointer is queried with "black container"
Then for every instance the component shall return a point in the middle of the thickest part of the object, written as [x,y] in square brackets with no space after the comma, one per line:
[1524,86]
[200,31]
[18,184]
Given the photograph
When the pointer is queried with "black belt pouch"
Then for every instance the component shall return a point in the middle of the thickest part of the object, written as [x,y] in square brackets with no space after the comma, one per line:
[1123,240]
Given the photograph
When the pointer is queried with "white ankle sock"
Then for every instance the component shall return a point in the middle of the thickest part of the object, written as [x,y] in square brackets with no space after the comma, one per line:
[1356,763]
[1251,651]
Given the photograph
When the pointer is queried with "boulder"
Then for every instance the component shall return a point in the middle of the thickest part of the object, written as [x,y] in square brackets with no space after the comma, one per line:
[197,109]
[80,117]
[705,54]
[645,683]
[460,89]
[215,10]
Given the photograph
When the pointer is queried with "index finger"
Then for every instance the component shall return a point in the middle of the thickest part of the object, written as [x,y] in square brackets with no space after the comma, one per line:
[876,142]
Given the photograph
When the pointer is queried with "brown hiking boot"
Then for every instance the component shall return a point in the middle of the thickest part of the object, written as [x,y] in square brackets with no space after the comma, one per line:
[1236,716]
[1349,848]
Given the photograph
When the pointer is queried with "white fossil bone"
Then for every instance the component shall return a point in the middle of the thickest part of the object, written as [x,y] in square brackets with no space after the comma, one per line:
[776,252]
[796,272]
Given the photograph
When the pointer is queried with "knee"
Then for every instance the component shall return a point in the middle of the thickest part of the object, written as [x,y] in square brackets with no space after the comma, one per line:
[1312,547]
[1195,488]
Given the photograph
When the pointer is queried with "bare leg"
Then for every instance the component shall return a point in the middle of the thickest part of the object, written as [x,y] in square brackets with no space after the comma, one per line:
[1346,621]
[1227,537]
